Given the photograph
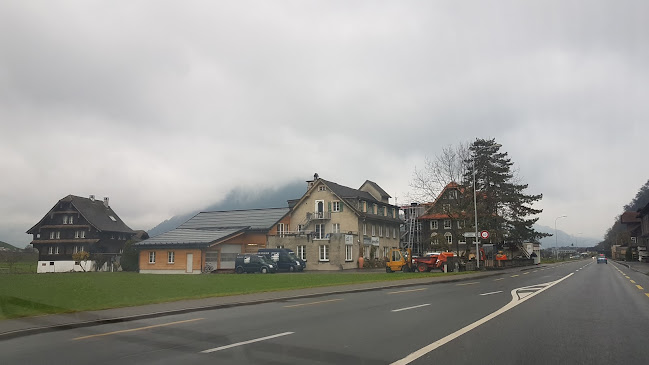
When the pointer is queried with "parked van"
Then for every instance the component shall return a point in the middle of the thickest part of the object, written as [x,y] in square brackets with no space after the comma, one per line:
[253,262]
[285,259]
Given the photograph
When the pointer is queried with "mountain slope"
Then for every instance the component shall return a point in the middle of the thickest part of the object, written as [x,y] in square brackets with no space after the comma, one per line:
[239,199]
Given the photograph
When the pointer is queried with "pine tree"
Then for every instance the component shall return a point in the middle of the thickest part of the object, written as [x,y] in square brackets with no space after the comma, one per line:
[503,207]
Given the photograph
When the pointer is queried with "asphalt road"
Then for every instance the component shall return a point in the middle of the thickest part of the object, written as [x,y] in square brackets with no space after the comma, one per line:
[579,312]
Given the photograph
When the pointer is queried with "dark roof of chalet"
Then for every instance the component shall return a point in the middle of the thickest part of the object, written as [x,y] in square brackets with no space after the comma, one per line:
[190,237]
[95,212]
[630,218]
[346,192]
[254,219]
[378,188]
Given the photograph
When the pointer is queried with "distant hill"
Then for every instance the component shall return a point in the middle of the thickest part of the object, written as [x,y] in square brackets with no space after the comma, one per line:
[6,246]
[564,239]
[239,199]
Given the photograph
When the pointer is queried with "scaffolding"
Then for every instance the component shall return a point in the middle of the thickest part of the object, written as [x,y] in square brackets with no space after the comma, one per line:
[412,236]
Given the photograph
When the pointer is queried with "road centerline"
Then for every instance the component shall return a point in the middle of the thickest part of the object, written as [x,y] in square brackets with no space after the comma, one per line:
[312,303]
[136,329]
[493,292]
[406,291]
[246,342]
[471,283]
[407,308]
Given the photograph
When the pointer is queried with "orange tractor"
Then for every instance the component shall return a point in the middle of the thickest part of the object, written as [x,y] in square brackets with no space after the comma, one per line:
[403,261]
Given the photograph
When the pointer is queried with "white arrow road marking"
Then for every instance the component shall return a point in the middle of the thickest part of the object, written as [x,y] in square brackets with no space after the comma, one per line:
[246,342]
[517,298]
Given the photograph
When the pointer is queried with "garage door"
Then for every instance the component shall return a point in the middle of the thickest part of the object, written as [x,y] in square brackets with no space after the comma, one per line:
[228,255]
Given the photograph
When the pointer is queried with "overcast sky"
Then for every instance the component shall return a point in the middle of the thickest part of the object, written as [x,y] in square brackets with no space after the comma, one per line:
[164,106]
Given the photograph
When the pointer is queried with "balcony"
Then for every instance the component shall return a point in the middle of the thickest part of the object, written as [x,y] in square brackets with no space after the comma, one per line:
[318,216]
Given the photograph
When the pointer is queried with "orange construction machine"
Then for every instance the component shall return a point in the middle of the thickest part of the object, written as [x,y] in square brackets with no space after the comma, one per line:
[403,261]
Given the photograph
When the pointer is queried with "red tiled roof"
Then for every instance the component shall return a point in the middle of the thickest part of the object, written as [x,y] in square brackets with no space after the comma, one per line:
[630,218]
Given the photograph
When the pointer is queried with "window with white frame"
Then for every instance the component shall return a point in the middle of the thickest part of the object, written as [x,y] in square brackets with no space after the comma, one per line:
[633,239]
[279,246]
[76,234]
[374,211]
[449,237]
[336,228]
[170,257]
[152,257]
[446,207]
[434,241]
[452,194]
[322,188]
[51,235]
[387,232]
[394,232]
[380,231]
[386,251]
[364,229]
[58,235]
[462,239]
[50,250]
[335,206]
[56,250]
[65,219]
[319,231]
[433,225]
[300,227]
[71,220]
[280,229]
[348,252]
[83,234]
[447,224]
[373,230]
[324,253]
[461,223]
[301,252]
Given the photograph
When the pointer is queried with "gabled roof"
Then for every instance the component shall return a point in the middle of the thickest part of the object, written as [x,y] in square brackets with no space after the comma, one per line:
[376,186]
[630,218]
[95,212]
[207,228]
[190,237]
[346,192]
[449,186]
[254,219]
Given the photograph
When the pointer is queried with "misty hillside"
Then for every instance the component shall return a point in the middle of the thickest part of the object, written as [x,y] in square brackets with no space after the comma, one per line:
[564,239]
[6,246]
[239,199]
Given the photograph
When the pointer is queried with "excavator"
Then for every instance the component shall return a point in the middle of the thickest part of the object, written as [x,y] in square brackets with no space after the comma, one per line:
[402,260]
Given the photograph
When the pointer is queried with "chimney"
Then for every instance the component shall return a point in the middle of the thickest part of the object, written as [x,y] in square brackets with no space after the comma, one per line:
[106,201]
[311,182]
[92,198]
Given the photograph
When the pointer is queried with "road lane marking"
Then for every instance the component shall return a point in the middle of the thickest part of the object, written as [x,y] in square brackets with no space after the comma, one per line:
[499,279]
[405,309]
[493,292]
[475,282]
[639,287]
[627,277]
[525,273]
[246,342]
[406,291]
[633,281]
[312,303]
[516,300]
[535,270]
[647,294]
[136,329]
[513,276]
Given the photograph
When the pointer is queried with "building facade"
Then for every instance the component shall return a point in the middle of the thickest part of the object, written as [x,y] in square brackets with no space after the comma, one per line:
[77,224]
[332,225]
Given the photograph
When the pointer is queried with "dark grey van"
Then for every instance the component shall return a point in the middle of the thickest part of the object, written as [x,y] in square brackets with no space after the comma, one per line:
[253,263]
[285,259]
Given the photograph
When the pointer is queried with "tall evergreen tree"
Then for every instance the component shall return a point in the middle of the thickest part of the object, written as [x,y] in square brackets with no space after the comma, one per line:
[503,207]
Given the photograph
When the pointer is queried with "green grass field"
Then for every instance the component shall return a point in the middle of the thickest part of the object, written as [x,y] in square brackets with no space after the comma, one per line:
[23,295]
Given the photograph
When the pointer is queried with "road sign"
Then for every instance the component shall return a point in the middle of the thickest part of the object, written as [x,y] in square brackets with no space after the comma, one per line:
[469,234]
[484,235]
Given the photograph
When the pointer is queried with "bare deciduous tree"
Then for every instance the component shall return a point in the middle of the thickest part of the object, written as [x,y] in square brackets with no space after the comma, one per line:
[448,166]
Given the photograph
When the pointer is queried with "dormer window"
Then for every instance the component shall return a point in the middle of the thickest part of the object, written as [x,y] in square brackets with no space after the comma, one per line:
[112,218]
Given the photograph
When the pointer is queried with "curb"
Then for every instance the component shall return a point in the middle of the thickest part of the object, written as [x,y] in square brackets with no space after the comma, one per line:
[99,321]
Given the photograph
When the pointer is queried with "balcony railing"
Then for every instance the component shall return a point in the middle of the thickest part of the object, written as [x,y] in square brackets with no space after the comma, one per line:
[318,215]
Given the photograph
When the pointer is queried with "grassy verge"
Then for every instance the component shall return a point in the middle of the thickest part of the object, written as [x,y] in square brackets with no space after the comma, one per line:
[36,294]
[21,267]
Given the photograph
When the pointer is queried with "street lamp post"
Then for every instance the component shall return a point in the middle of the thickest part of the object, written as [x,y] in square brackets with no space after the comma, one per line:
[475,209]
[556,240]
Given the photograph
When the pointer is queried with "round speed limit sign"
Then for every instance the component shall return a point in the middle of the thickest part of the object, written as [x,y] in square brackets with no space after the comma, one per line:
[484,235]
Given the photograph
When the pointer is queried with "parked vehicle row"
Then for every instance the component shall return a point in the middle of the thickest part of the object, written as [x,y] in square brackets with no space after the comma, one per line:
[269,260]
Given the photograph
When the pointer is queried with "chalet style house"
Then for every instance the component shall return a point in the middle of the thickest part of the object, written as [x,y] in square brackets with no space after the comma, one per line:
[208,241]
[79,224]
[332,225]
[445,221]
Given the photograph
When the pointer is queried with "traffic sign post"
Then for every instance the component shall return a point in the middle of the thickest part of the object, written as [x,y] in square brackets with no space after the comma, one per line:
[484,235]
